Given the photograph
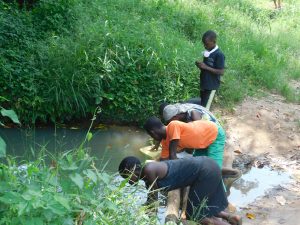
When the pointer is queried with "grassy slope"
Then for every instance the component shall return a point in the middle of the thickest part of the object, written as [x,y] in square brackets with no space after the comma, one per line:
[128,55]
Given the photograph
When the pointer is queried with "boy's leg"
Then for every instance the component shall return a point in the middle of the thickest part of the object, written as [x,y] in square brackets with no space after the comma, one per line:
[231,218]
[210,99]
[204,94]
[213,221]
[275,3]
[207,197]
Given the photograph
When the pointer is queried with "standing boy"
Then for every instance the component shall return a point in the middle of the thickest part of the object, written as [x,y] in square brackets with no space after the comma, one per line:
[211,68]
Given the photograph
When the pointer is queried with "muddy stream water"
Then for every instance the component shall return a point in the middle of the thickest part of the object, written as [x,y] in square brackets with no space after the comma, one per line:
[112,144]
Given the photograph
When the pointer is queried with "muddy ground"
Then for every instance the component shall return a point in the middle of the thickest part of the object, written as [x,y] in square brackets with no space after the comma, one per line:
[266,132]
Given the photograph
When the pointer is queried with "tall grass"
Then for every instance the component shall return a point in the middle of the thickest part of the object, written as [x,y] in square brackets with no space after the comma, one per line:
[64,58]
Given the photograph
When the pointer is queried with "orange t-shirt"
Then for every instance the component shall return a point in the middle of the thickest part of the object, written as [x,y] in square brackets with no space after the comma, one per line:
[197,134]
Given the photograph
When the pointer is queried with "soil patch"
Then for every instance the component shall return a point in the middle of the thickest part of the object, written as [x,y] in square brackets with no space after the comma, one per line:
[266,132]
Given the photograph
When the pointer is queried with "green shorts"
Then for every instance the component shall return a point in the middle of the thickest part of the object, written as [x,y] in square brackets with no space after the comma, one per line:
[216,150]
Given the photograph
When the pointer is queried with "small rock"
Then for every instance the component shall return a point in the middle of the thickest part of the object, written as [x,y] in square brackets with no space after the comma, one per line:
[277,126]
[281,221]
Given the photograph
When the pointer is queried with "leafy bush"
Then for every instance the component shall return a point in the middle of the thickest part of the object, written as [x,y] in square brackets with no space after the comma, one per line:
[68,191]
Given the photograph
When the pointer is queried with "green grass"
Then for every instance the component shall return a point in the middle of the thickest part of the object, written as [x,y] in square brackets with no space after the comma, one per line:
[64,58]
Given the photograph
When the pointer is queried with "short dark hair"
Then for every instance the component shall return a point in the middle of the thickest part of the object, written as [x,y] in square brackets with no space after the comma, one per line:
[153,122]
[127,165]
[210,35]
[161,107]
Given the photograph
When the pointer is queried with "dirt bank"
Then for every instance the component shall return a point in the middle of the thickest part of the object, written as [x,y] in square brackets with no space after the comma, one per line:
[268,130]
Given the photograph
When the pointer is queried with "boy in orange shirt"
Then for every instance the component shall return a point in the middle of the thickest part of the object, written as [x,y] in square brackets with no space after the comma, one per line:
[198,134]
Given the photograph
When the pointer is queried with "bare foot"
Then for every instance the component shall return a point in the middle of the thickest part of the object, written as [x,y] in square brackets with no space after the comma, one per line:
[234,220]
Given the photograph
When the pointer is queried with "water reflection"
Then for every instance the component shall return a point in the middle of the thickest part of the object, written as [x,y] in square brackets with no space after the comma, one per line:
[111,144]
[255,183]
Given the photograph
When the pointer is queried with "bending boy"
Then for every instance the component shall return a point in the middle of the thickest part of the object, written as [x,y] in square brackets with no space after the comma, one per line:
[203,176]
[197,135]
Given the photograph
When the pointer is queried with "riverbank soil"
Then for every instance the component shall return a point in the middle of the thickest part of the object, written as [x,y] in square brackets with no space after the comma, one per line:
[266,132]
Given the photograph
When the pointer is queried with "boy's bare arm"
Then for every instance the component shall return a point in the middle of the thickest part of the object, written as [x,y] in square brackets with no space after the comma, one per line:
[151,185]
[173,148]
[195,115]
[155,147]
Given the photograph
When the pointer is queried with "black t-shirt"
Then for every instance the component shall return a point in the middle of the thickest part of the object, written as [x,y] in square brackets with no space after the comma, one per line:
[208,80]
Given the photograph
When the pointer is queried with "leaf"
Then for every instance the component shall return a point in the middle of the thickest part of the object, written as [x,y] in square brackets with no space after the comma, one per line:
[57,209]
[77,179]
[89,136]
[21,207]
[105,178]
[91,174]
[237,151]
[111,205]
[69,221]
[11,198]
[280,199]
[31,194]
[71,167]
[63,201]
[10,114]
[2,148]
[100,126]
[123,184]
[33,221]
[250,216]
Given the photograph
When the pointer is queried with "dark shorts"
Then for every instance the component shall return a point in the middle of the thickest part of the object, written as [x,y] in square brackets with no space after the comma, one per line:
[207,196]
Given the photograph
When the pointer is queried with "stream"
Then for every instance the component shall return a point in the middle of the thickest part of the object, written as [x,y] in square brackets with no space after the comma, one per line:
[111,144]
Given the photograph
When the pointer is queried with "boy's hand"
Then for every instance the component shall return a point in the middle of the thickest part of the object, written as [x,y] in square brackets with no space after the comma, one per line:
[203,66]
[197,63]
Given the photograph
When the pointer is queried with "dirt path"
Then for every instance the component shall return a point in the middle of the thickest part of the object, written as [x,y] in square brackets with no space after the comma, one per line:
[269,130]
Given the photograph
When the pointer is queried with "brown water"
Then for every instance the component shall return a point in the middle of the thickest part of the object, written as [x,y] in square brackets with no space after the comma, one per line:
[110,144]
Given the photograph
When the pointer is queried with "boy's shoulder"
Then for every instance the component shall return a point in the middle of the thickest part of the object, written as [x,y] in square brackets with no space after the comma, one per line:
[175,123]
[219,52]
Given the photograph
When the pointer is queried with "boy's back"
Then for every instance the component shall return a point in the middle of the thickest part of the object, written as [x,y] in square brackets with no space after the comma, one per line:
[197,134]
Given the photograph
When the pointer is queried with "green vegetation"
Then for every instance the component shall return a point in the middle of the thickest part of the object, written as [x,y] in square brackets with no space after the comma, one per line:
[63,58]
[4,114]
[71,190]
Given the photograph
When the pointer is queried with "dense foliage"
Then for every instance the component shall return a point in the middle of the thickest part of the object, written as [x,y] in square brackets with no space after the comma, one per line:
[71,190]
[62,58]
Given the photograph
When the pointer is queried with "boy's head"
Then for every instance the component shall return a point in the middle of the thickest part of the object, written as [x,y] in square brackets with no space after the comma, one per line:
[209,39]
[130,166]
[155,128]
